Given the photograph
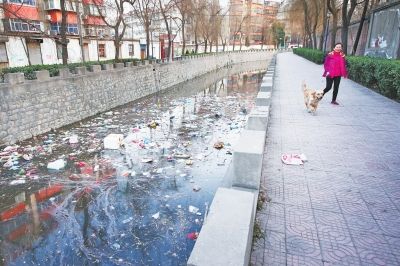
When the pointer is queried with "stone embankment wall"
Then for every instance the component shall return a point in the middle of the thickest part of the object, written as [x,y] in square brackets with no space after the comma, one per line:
[29,108]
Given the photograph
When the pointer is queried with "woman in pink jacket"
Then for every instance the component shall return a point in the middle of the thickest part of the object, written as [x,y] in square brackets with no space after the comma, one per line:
[335,68]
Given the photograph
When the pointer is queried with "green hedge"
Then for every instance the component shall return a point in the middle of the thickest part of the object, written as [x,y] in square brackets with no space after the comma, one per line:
[29,71]
[380,75]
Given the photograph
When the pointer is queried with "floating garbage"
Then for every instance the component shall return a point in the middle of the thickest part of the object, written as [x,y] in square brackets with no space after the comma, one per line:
[193,209]
[156,216]
[56,165]
[147,160]
[188,162]
[192,235]
[218,145]
[181,156]
[196,188]
[113,141]
[293,158]
[153,124]
[27,157]
[73,139]
[127,220]
[18,182]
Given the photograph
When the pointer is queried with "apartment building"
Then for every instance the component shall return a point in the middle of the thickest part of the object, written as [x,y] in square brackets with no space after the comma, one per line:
[250,19]
[29,30]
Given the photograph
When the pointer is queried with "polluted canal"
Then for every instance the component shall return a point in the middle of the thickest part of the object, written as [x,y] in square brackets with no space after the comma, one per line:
[131,186]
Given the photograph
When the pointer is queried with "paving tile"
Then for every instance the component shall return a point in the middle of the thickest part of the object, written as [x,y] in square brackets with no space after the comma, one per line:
[342,207]
[339,254]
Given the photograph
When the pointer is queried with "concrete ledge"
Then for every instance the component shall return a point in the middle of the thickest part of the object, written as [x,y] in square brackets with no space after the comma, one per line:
[128,64]
[247,159]
[80,70]
[263,99]
[267,79]
[226,236]
[95,68]
[258,118]
[14,78]
[64,72]
[119,65]
[42,75]
[107,67]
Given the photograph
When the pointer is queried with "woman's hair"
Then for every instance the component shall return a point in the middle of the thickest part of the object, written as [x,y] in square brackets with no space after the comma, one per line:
[339,43]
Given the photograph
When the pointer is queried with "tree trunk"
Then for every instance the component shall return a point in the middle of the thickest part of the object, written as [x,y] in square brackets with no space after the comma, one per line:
[346,18]
[64,42]
[183,36]
[205,46]
[353,52]
[306,20]
[334,31]
[324,29]
[211,44]
[147,29]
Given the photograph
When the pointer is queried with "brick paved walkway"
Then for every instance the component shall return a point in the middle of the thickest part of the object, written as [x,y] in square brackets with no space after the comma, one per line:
[343,206]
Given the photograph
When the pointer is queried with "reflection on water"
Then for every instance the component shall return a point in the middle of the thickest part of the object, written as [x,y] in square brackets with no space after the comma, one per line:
[138,205]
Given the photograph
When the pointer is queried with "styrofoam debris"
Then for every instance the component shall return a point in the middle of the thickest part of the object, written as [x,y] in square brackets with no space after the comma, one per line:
[193,209]
[113,141]
[156,216]
[56,165]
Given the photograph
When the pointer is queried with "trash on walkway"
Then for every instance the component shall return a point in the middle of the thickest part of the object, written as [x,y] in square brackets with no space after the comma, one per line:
[153,124]
[196,188]
[113,141]
[294,158]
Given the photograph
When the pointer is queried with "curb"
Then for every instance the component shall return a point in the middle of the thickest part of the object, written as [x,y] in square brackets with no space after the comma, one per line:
[227,233]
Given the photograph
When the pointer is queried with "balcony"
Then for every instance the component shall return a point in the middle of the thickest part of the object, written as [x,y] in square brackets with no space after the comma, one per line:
[93,10]
[17,25]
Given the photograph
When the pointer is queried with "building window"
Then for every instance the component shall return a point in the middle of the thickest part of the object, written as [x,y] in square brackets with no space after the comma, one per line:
[131,50]
[19,25]
[25,2]
[102,50]
[71,28]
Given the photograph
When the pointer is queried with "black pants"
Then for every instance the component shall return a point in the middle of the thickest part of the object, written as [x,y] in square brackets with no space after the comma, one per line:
[336,82]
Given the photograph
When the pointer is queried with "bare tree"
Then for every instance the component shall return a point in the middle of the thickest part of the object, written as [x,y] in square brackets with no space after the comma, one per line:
[334,9]
[347,13]
[360,27]
[145,10]
[117,9]
[184,8]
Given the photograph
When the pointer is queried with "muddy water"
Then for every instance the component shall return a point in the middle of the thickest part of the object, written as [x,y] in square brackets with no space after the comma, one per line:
[141,204]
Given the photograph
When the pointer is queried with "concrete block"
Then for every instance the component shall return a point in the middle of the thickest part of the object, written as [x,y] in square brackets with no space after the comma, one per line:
[42,75]
[80,70]
[247,159]
[226,235]
[64,72]
[14,78]
[137,63]
[267,79]
[128,64]
[266,88]
[119,65]
[145,62]
[95,68]
[107,67]
[263,99]
[258,118]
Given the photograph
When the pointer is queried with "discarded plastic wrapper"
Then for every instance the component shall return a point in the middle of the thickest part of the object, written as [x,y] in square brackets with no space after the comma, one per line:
[294,159]
[193,235]
[219,145]
[113,141]
[56,165]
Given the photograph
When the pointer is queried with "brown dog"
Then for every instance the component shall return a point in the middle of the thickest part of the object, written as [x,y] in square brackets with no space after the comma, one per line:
[311,97]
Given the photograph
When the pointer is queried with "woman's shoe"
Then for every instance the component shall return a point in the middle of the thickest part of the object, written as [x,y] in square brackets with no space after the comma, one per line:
[334,102]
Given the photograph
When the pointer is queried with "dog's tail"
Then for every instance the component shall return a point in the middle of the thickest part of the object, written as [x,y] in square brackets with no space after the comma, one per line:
[303,85]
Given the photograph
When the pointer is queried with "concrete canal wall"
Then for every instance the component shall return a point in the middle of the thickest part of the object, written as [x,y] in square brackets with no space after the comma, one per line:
[32,107]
